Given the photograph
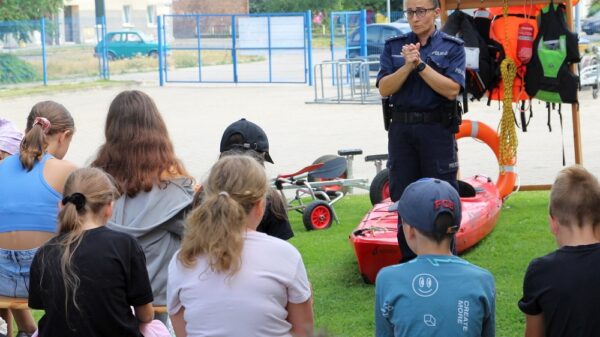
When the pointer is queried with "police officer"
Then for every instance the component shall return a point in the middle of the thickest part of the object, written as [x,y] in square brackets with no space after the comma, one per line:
[422,71]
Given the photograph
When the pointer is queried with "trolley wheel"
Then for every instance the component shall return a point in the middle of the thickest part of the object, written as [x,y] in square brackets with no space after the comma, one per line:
[317,215]
[330,190]
[380,187]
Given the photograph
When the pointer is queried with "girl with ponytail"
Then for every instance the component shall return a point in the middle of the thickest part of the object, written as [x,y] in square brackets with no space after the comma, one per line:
[228,279]
[31,186]
[87,278]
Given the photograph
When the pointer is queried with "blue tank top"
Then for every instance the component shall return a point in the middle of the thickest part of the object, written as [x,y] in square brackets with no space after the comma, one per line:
[27,201]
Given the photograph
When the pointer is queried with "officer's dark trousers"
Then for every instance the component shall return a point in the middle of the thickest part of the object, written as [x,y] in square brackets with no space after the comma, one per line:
[419,151]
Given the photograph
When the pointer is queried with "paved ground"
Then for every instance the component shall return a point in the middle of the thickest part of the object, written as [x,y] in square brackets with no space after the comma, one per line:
[299,133]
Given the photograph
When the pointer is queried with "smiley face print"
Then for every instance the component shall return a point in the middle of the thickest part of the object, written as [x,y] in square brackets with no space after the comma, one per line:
[425,285]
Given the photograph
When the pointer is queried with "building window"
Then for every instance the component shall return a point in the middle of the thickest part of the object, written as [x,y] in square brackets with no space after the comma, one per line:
[126,14]
[151,14]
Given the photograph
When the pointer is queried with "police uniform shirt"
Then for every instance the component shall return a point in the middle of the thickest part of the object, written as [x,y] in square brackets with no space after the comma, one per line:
[443,52]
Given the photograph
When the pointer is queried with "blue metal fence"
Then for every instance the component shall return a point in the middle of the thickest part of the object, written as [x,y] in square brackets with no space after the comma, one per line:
[348,34]
[239,48]
[45,50]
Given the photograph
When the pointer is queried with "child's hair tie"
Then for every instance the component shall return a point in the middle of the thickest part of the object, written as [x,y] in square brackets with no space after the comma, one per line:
[76,199]
[224,193]
[44,123]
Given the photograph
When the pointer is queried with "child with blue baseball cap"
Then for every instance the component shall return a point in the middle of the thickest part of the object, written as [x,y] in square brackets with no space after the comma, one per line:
[437,293]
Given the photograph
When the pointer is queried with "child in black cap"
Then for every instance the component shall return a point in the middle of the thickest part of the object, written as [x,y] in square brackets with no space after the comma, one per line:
[437,293]
[245,137]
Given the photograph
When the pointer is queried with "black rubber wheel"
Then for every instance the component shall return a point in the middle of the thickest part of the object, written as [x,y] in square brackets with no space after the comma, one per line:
[110,56]
[330,190]
[153,54]
[317,215]
[380,187]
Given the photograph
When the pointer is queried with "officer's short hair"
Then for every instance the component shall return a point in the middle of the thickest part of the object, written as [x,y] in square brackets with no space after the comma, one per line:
[434,3]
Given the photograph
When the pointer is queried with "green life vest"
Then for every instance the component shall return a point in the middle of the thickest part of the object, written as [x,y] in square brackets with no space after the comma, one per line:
[548,76]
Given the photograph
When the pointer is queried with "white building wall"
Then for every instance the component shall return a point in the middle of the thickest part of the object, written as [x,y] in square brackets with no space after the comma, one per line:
[116,17]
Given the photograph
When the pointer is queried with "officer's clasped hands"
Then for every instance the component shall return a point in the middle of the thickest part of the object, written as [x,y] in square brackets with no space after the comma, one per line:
[411,53]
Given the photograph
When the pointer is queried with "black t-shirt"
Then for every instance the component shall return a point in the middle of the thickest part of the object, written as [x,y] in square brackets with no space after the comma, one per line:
[564,287]
[273,226]
[112,270]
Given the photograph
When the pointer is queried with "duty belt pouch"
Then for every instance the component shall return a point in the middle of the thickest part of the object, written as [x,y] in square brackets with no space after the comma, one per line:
[387,108]
[452,109]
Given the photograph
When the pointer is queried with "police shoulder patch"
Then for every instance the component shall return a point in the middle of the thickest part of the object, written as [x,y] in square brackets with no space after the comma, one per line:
[397,37]
[452,38]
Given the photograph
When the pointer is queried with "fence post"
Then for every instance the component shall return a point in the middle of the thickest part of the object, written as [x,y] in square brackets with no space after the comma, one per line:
[363,32]
[233,49]
[309,47]
[44,65]
[161,79]
[105,70]
[331,36]
[199,45]
[270,50]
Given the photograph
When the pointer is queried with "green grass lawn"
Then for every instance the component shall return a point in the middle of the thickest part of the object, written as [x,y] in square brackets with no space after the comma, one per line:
[343,304]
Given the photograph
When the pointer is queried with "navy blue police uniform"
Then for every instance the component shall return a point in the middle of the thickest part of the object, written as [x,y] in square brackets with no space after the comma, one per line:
[420,142]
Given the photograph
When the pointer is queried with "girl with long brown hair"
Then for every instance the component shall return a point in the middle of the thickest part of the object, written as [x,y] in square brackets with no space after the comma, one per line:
[228,279]
[87,278]
[156,189]
[31,186]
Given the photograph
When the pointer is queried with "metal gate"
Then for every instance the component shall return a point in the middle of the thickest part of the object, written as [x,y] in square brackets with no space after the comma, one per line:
[245,48]
[348,34]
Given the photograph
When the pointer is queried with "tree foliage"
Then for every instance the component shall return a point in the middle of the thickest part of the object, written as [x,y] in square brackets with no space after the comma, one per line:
[17,10]
[19,13]
[273,6]
[594,7]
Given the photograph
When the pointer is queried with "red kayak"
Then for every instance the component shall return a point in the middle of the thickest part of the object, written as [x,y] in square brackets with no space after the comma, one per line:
[375,243]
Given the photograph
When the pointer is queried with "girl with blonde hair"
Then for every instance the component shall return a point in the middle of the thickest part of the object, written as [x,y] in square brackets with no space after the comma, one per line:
[228,279]
[87,278]
[31,186]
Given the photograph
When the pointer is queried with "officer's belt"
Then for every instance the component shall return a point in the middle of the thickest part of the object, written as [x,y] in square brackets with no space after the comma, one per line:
[417,117]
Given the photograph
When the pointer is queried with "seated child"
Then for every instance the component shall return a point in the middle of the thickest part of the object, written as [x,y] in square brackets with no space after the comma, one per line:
[88,277]
[245,137]
[10,138]
[228,279]
[560,290]
[436,294]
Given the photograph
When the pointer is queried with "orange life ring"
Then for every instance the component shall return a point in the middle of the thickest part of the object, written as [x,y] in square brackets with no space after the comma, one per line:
[507,176]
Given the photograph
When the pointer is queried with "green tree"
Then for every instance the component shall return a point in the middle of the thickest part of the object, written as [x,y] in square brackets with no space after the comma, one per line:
[264,6]
[594,7]
[274,6]
[13,10]
[22,11]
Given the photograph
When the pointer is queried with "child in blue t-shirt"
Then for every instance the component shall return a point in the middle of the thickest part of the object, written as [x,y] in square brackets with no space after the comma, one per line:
[436,294]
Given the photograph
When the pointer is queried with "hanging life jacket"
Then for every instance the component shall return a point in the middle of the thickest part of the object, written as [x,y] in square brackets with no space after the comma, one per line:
[482,22]
[548,76]
[478,68]
[501,26]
